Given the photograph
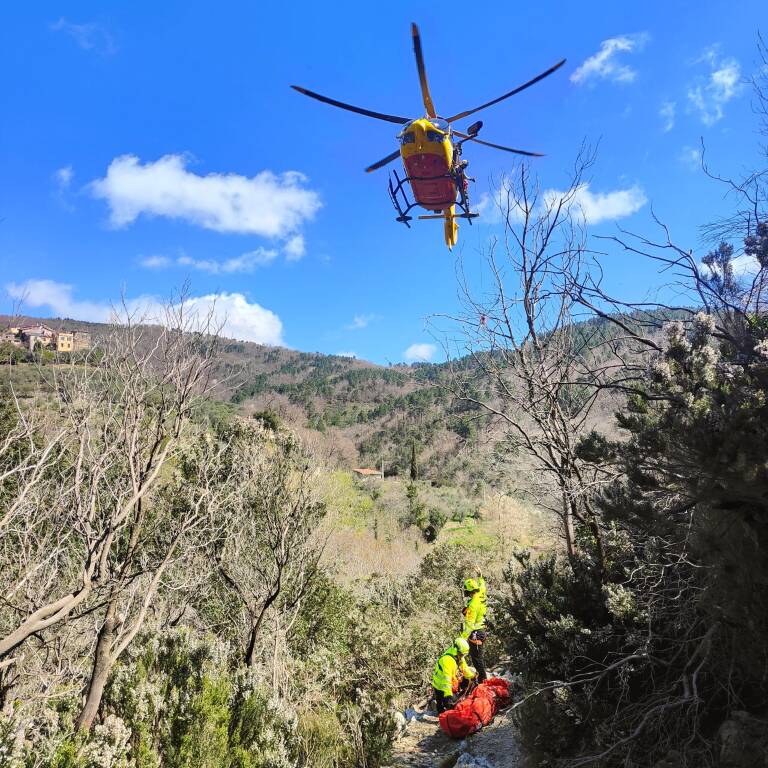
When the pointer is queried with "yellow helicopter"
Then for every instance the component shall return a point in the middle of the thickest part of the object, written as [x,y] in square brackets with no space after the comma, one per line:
[431,154]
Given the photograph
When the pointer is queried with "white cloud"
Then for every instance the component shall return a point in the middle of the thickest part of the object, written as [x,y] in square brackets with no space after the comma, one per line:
[240,319]
[58,298]
[595,207]
[248,262]
[483,205]
[63,177]
[493,206]
[690,157]
[709,94]
[488,207]
[295,248]
[421,353]
[744,266]
[268,204]
[601,206]
[361,321]
[245,263]
[667,114]
[346,354]
[89,37]
[155,262]
[604,64]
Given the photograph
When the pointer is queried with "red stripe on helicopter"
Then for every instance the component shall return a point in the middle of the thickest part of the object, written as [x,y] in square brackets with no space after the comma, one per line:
[429,192]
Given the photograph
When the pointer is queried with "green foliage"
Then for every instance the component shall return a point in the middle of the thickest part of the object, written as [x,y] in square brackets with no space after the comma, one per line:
[437,519]
[353,503]
[269,419]
[428,520]
[262,732]
[67,756]
[176,703]
[396,407]
[548,613]
[683,598]
[251,388]
[213,413]
[106,746]
[10,354]
[201,732]
[323,740]
[323,620]
[43,355]
[169,690]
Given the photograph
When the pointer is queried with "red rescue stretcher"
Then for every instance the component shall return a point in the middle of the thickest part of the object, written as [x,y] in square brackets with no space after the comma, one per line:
[477,709]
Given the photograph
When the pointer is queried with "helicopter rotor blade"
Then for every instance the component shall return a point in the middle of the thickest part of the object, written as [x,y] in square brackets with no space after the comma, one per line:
[384,161]
[351,108]
[428,105]
[467,137]
[535,80]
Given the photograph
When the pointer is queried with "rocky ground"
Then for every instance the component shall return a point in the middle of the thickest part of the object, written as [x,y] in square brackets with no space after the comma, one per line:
[424,745]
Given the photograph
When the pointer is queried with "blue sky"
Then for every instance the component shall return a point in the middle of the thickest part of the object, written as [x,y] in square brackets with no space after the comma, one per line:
[144,144]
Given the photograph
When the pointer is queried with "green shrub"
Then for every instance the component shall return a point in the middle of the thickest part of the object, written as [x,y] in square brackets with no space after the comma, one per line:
[323,741]
[262,731]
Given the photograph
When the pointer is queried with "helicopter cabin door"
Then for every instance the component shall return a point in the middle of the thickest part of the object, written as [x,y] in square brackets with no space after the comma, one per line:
[427,155]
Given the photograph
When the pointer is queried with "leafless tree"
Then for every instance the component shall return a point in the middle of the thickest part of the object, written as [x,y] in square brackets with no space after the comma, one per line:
[269,549]
[698,582]
[535,364]
[171,526]
[79,468]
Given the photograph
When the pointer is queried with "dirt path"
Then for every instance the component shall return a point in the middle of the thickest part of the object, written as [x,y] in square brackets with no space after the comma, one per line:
[424,745]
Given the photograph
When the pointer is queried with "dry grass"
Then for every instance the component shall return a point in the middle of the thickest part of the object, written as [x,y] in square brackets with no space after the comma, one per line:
[365,537]
[357,554]
[518,523]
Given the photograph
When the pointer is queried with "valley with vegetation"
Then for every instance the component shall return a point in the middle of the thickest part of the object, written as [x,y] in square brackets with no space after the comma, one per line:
[258,575]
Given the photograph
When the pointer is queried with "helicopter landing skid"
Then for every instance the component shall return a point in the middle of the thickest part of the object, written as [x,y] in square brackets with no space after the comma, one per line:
[404,206]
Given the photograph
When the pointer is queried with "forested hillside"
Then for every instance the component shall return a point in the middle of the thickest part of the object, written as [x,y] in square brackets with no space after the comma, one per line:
[361,414]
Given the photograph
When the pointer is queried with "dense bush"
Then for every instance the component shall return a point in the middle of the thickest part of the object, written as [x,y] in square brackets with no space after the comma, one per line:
[174,702]
[659,649]
[180,697]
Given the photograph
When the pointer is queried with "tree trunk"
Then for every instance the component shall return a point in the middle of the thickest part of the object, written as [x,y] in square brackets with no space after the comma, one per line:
[599,552]
[570,536]
[7,680]
[250,654]
[102,664]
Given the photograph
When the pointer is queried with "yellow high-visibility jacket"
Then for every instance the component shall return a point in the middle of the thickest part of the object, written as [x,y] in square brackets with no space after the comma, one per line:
[449,672]
[474,611]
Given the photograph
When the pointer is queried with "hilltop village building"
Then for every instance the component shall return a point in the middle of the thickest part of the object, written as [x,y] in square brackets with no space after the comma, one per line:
[41,335]
[366,472]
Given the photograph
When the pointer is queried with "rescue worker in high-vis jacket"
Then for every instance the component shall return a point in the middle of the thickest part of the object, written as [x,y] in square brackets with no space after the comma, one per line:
[473,625]
[452,675]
